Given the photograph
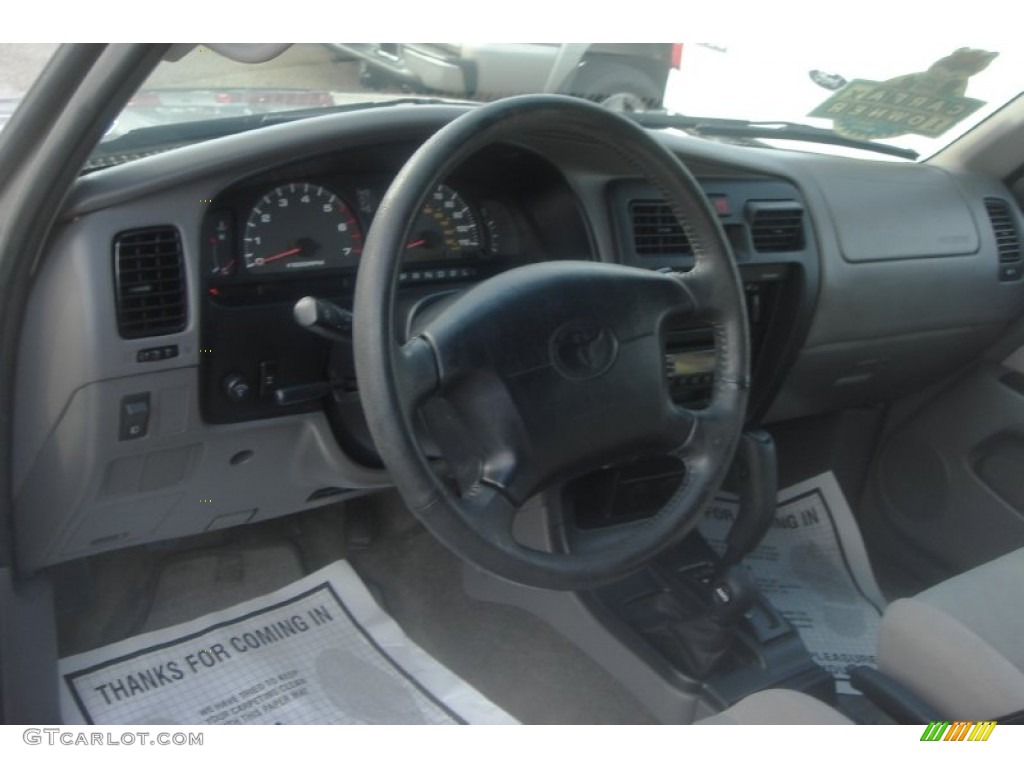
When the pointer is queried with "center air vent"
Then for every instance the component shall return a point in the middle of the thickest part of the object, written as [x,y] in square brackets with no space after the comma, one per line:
[656,230]
[149,278]
[1007,239]
[776,226]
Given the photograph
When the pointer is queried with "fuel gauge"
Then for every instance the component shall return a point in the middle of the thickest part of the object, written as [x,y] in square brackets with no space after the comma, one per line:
[219,244]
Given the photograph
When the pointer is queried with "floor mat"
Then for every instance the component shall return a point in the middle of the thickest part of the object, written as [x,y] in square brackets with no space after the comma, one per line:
[814,569]
[319,650]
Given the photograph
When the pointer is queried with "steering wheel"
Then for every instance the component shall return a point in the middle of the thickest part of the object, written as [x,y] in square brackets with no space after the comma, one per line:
[548,370]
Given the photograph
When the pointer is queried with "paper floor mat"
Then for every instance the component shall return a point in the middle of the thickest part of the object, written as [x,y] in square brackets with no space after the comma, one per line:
[317,651]
[814,569]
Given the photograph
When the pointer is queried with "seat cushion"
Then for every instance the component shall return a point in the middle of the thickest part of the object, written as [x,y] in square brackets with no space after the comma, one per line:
[778,707]
[960,645]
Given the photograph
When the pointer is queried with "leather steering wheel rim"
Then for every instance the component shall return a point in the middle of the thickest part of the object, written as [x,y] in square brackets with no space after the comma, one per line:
[592,333]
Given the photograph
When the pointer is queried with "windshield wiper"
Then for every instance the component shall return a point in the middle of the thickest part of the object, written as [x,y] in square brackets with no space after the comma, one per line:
[151,139]
[760,129]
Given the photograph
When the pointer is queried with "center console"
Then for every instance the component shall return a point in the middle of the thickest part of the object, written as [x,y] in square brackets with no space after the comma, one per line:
[687,634]
[669,616]
[770,236]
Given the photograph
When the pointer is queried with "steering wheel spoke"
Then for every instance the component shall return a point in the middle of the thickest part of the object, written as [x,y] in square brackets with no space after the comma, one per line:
[700,432]
[416,373]
[491,512]
[701,289]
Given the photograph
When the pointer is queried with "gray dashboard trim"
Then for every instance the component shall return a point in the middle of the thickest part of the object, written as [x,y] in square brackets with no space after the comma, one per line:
[72,358]
[254,151]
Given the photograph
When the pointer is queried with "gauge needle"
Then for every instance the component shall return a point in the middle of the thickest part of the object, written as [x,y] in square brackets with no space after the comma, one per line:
[416,243]
[283,255]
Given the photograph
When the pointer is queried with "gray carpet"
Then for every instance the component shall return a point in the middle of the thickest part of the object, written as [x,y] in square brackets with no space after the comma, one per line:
[514,659]
[192,585]
[127,592]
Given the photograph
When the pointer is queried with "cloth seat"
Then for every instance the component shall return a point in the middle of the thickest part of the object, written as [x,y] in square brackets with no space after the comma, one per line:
[778,707]
[960,645]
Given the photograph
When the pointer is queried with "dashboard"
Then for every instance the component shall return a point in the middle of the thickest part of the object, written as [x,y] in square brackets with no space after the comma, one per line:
[161,351]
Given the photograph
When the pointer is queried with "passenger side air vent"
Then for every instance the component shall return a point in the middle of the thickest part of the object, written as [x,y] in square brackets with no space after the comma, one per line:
[656,230]
[1007,239]
[149,278]
[776,226]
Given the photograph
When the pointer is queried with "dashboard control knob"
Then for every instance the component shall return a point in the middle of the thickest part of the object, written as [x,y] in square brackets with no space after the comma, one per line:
[236,387]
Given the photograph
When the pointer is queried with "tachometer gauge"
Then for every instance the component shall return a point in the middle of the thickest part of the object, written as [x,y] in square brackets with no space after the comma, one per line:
[298,227]
[445,229]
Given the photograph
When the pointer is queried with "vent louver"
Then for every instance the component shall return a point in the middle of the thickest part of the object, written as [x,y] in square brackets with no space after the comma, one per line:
[656,230]
[776,227]
[1007,240]
[149,280]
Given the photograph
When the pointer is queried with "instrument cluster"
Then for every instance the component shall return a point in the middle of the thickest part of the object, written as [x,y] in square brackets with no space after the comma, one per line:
[314,226]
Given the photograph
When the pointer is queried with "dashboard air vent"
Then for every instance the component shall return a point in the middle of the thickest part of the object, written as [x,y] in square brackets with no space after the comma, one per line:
[1007,240]
[656,230]
[776,227]
[149,278]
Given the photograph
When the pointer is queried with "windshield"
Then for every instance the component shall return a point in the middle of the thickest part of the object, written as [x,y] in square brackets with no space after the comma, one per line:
[918,97]
[921,96]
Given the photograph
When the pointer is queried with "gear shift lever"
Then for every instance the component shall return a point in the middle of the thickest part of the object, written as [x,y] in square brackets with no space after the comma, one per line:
[731,596]
[731,591]
[758,480]
[696,625]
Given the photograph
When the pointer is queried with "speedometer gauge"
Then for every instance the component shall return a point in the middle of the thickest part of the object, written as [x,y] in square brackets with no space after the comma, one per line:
[446,228]
[298,227]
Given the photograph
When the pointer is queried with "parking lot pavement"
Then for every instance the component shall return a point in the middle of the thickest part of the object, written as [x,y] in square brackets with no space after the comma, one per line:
[302,66]
[20,64]
[307,66]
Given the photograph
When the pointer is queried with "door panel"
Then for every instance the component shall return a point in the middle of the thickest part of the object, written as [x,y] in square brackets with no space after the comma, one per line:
[951,478]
